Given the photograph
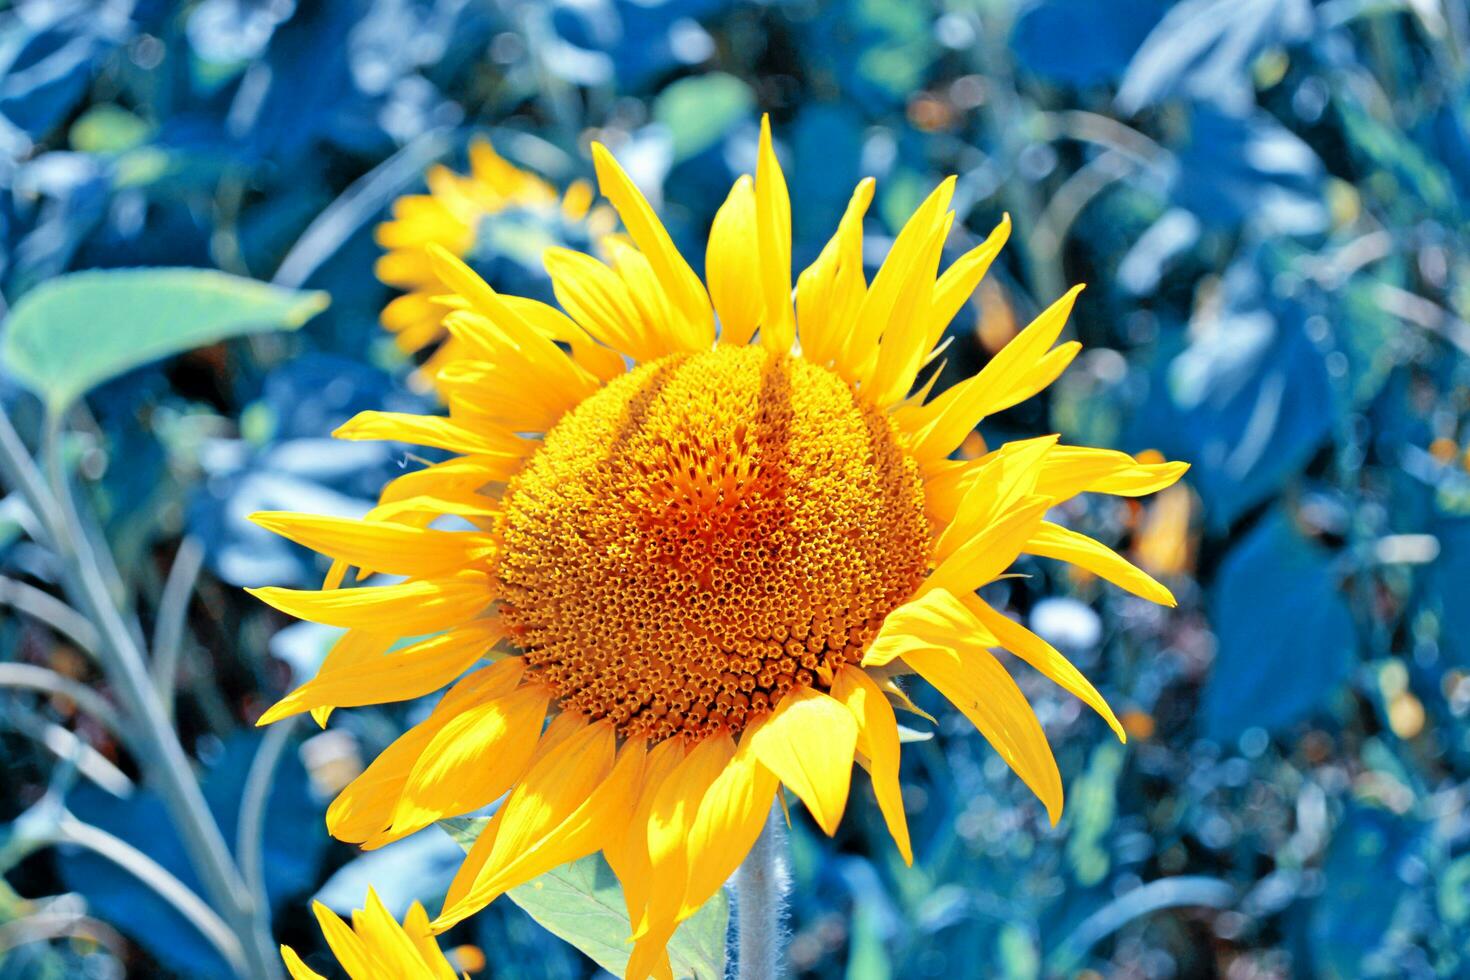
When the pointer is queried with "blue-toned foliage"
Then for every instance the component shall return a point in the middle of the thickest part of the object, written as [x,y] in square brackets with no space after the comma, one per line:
[1265,197]
[291,852]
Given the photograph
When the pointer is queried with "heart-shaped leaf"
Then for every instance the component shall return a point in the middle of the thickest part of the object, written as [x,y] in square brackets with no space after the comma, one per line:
[582,903]
[71,334]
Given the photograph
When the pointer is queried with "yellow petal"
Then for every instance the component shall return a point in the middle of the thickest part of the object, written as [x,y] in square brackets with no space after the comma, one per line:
[602,362]
[298,969]
[554,815]
[734,274]
[894,276]
[1004,480]
[1071,470]
[680,284]
[403,312]
[429,430]
[471,761]
[510,335]
[493,170]
[600,301]
[951,655]
[730,818]
[346,945]
[831,289]
[504,392]
[627,853]
[922,623]
[403,675]
[808,742]
[365,806]
[960,279]
[561,781]
[416,925]
[773,233]
[423,510]
[390,945]
[410,608]
[659,318]
[353,647]
[878,740]
[405,268]
[577,200]
[391,548]
[453,477]
[1053,541]
[990,551]
[669,822]
[904,342]
[1043,656]
[943,424]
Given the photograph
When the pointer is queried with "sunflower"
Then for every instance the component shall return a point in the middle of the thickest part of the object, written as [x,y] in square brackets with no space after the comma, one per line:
[497,218]
[703,530]
[376,947]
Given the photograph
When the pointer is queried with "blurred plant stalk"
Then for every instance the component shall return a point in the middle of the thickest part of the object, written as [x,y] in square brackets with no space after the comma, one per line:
[94,591]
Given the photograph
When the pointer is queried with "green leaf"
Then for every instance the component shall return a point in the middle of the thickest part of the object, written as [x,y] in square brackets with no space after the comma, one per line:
[582,903]
[464,830]
[699,110]
[74,332]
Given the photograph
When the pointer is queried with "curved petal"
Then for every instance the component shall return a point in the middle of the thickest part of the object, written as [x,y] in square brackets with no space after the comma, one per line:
[990,551]
[682,287]
[927,621]
[897,277]
[433,431]
[396,549]
[346,945]
[730,818]
[627,853]
[1044,657]
[830,291]
[669,823]
[1001,483]
[773,228]
[418,669]
[1010,377]
[298,969]
[390,945]
[365,806]
[946,644]
[734,279]
[416,925]
[562,782]
[409,608]
[470,762]
[809,742]
[878,740]
[1071,470]
[960,279]
[599,300]
[1053,541]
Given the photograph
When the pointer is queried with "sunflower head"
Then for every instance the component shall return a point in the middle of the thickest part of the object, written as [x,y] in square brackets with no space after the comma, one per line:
[693,535]
[703,535]
[498,218]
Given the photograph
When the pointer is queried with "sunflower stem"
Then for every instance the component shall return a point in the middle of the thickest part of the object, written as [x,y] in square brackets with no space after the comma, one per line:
[760,895]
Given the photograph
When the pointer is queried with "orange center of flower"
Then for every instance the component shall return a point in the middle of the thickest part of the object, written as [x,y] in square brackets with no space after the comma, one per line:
[704,534]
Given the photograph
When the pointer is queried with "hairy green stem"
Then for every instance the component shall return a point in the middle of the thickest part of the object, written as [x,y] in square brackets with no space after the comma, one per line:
[760,896]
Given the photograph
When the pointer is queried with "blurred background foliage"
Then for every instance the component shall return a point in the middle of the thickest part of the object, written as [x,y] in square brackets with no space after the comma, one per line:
[1265,197]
